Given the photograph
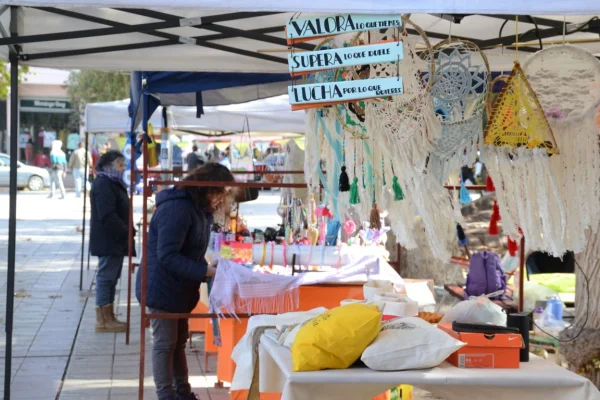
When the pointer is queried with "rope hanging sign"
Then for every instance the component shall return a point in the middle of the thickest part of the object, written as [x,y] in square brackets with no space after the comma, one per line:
[307,29]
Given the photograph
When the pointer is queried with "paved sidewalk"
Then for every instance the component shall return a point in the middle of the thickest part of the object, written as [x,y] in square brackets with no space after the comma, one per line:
[56,353]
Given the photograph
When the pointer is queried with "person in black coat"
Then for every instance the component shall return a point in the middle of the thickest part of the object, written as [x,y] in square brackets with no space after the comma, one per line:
[177,241]
[109,235]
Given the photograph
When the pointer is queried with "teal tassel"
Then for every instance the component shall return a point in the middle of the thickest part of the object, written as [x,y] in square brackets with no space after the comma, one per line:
[354,197]
[463,195]
[398,193]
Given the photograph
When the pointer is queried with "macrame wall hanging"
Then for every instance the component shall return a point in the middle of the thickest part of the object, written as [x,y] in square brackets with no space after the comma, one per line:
[563,78]
[404,127]
[460,89]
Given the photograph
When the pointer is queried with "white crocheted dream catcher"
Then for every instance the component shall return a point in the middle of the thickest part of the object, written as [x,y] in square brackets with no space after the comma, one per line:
[404,127]
[460,89]
[566,80]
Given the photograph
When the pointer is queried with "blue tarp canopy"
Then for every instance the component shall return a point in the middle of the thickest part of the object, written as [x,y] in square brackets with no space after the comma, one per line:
[151,89]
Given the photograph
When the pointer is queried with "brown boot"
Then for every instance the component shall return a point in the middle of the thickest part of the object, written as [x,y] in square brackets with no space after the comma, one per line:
[114,317]
[105,320]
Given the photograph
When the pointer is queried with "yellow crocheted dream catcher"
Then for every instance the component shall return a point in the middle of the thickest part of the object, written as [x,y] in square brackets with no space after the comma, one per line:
[519,142]
[517,118]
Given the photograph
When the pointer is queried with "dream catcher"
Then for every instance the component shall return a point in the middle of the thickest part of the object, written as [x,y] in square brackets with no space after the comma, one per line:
[460,89]
[404,127]
[324,144]
[566,80]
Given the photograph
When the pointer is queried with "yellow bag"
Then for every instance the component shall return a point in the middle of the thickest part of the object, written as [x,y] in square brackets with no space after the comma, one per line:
[336,338]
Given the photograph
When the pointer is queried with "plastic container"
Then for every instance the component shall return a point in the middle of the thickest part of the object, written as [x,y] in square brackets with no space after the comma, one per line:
[556,307]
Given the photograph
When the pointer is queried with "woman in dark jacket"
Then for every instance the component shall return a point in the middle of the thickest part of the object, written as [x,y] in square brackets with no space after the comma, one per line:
[177,242]
[109,236]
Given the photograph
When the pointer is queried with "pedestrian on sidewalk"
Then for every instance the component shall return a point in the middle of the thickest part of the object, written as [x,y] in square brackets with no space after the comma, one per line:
[177,242]
[194,159]
[77,163]
[58,168]
[109,236]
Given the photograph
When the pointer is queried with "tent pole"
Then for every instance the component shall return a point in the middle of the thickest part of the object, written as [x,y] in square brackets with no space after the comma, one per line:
[85,178]
[130,244]
[88,260]
[144,260]
[12,213]
[521,273]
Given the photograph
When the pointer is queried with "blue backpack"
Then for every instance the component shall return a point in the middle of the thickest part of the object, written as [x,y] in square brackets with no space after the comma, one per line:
[485,275]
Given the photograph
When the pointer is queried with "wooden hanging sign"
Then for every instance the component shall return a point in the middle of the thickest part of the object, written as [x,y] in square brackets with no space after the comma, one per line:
[307,29]
[329,93]
[306,62]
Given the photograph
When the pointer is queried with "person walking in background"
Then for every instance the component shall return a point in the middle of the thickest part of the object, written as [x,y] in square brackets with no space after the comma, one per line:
[225,161]
[77,164]
[109,235]
[58,168]
[177,241]
[194,159]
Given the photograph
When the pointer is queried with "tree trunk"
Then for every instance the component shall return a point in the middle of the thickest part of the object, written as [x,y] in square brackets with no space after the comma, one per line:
[583,354]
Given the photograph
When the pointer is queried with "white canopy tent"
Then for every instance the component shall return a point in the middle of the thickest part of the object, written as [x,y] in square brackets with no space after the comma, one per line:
[190,38]
[266,116]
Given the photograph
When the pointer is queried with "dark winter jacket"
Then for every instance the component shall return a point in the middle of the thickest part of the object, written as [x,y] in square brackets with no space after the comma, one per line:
[177,242]
[109,232]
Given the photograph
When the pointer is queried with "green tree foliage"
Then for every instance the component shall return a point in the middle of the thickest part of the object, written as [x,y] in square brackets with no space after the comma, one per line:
[5,78]
[95,86]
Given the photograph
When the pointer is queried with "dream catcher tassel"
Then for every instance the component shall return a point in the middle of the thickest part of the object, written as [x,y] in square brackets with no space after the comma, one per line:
[398,193]
[344,180]
[354,197]
[462,237]
[312,206]
[489,185]
[512,247]
[375,219]
[493,229]
[463,195]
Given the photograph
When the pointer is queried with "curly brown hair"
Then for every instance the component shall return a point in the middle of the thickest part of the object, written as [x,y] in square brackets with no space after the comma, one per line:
[217,199]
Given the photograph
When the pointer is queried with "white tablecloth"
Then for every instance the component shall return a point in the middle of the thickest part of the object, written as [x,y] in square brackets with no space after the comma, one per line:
[536,380]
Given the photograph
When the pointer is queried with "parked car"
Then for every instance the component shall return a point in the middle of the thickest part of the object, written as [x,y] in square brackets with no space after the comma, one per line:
[33,178]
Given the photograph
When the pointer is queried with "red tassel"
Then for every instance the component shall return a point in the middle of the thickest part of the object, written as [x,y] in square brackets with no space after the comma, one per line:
[489,185]
[512,247]
[493,230]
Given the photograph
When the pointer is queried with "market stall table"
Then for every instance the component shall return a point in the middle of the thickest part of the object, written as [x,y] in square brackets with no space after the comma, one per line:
[535,380]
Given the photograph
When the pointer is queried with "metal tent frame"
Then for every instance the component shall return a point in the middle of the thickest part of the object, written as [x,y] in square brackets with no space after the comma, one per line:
[545,28]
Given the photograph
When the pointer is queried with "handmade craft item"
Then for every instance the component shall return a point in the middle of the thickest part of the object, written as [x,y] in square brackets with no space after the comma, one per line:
[565,79]
[518,142]
[404,127]
[460,89]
